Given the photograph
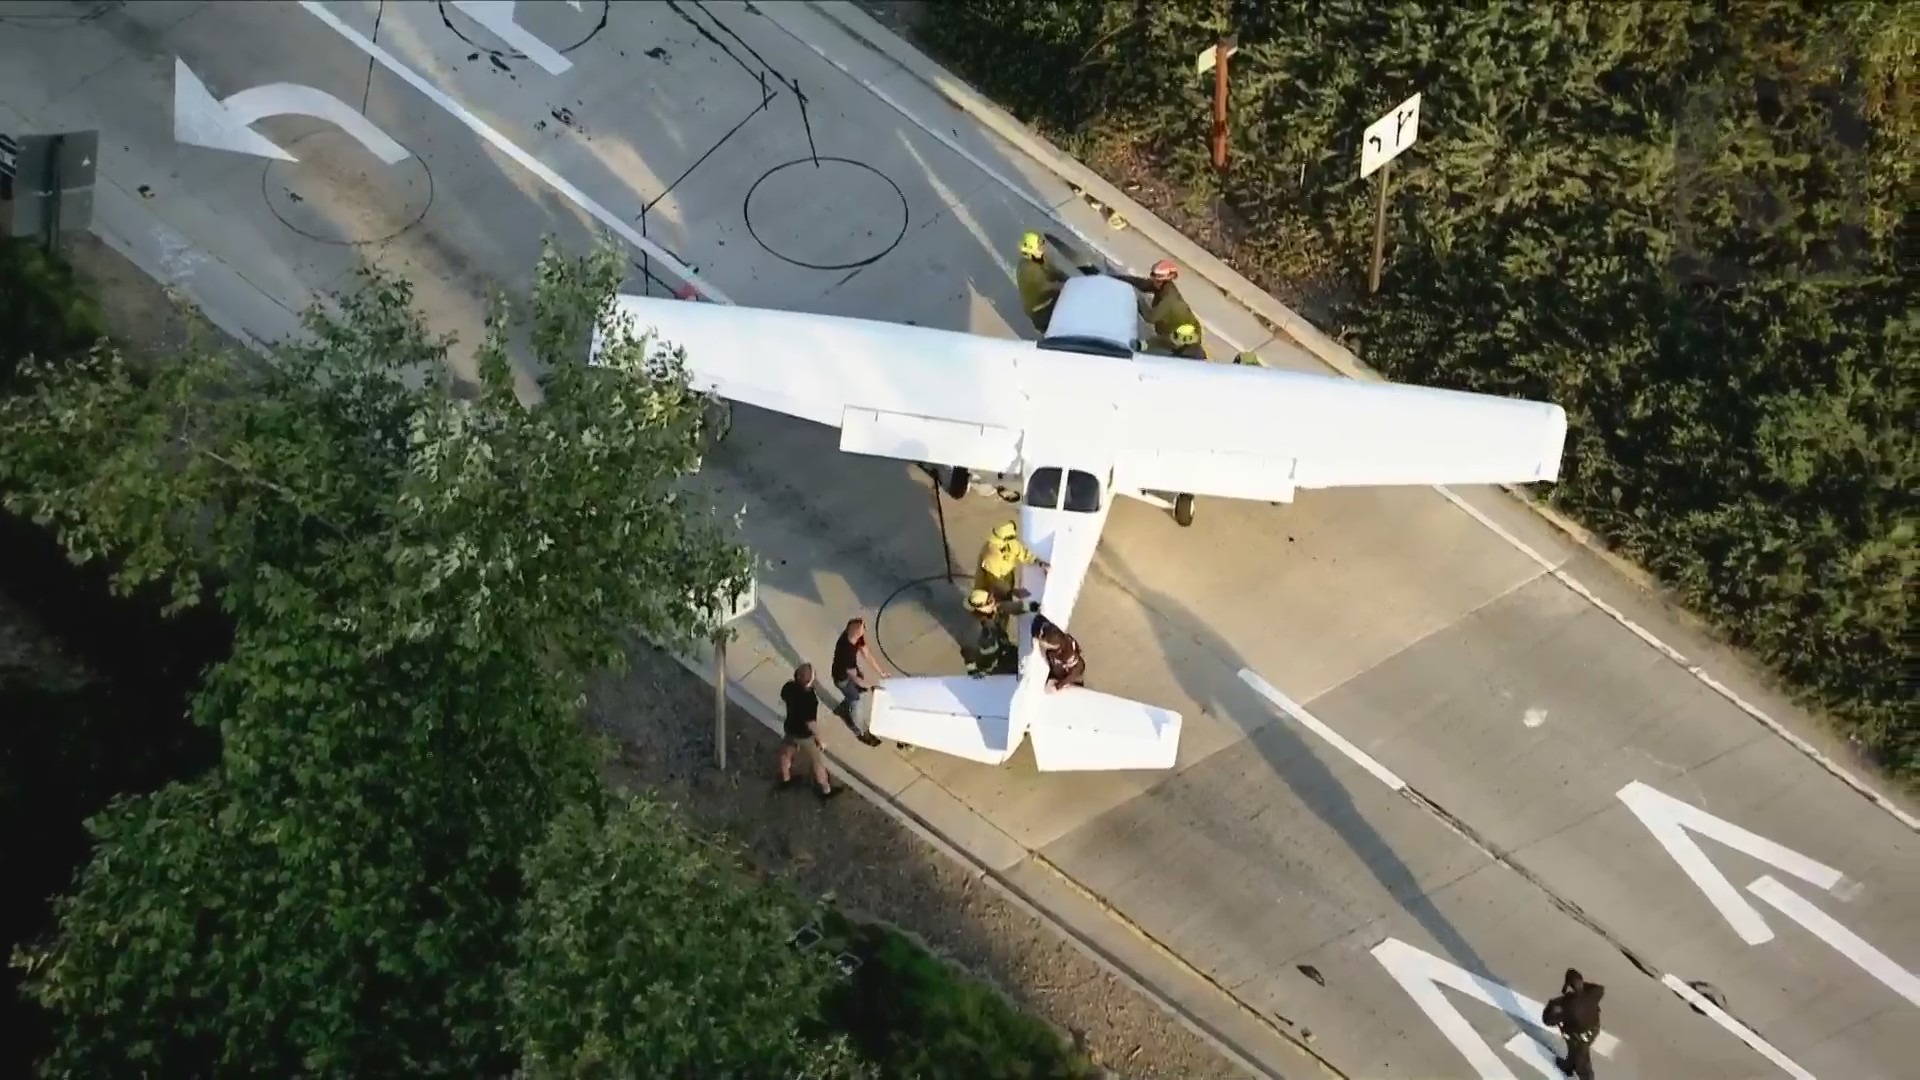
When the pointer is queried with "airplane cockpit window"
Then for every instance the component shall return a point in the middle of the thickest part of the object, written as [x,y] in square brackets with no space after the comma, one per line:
[1043,489]
[1083,492]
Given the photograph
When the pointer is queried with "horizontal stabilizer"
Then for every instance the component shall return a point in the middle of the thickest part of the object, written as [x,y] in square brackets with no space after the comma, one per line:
[1081,730]
[958,715]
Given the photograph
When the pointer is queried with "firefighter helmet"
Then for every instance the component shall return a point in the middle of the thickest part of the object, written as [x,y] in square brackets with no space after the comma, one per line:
[1164,270]
[1031,246]
[1006,530]
[980,601]
[1186,334]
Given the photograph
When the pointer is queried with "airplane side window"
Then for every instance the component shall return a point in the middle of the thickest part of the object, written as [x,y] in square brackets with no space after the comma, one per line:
[1083,492]
[1043,489]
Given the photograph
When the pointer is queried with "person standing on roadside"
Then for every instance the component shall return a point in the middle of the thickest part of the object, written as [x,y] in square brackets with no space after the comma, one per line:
[851,679]
[801,732]
[1576,1015]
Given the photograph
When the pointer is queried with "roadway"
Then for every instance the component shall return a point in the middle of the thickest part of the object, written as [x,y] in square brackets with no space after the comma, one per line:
[1414,755]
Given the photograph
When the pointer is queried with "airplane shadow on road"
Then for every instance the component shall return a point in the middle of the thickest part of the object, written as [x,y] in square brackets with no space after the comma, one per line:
[1294,761]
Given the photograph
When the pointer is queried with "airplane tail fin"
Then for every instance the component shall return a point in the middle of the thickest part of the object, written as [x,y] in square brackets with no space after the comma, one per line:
[957,714]
[1081,730]
[983,720]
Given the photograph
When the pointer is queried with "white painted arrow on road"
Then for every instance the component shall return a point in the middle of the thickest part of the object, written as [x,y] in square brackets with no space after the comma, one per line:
[497,16]
[1421,974]
[1670,820]
[201,120]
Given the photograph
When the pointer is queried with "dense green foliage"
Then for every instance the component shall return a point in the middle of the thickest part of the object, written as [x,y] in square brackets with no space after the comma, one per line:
[645,953]
[105,716]
[904,1010]
[404,862]
[1681,221]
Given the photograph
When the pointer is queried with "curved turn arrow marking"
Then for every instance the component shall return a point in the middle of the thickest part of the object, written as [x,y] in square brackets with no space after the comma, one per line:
[200,119]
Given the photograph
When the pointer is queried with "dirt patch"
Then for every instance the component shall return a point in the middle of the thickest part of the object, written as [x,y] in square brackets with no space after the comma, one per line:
[663,717]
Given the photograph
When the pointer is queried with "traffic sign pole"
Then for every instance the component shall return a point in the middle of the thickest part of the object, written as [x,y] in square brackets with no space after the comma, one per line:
[720,698]
[1379,230]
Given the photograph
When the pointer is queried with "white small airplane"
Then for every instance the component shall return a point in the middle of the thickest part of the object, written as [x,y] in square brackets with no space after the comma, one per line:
[1077,418]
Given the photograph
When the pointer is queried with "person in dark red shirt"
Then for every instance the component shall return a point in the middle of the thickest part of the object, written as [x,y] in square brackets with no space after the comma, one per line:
[1065,664]
[801,732]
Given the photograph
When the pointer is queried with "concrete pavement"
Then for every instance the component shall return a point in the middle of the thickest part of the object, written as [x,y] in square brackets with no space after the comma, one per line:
[1441,790]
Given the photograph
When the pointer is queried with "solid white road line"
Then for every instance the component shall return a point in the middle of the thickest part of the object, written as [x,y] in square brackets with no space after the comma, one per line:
[1338,741]
[1844,941]
[1699,673]
[506,146]
[1740,1030]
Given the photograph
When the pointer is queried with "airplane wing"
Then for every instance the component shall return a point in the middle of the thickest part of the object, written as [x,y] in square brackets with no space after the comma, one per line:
[907,392]
[1262,433]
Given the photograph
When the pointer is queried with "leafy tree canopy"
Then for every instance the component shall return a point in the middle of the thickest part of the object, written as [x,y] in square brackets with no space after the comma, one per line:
[646,954]
[420,587]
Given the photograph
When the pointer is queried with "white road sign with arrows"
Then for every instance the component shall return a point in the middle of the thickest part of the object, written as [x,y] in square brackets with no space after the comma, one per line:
[1388,137]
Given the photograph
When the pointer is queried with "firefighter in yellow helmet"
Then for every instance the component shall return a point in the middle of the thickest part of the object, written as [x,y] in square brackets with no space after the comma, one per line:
[1001,556]
[1185,340]
[1039,280]
[993,652]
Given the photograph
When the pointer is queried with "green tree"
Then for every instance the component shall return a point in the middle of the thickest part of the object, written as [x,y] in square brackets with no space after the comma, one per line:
[420,587]
[644,952]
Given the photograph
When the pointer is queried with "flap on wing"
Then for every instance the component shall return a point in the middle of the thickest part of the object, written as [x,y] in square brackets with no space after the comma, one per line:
[816,366]
[957,715]
[930,438]
[1082,730]
[1208,472]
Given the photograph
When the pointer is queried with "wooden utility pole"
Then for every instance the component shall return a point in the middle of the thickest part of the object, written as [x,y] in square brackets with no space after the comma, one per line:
[1221,51]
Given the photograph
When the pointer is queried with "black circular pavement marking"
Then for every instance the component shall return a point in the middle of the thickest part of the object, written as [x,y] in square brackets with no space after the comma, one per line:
[446,16]
[838,190]
[339,193]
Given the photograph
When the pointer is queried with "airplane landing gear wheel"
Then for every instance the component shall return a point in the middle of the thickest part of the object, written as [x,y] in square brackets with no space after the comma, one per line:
[957,483]
[1183,510]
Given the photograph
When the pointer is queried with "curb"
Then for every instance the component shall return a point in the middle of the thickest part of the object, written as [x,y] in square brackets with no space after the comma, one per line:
[738,696]
[1250,297]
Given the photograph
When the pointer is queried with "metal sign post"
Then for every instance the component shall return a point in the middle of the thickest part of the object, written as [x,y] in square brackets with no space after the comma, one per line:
[720,698]
[727,609]
[1385,139]
[1379,229]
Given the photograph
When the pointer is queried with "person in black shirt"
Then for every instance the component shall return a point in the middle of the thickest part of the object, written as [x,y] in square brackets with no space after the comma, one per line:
[850,679]
[800,731]
[1576,1013]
